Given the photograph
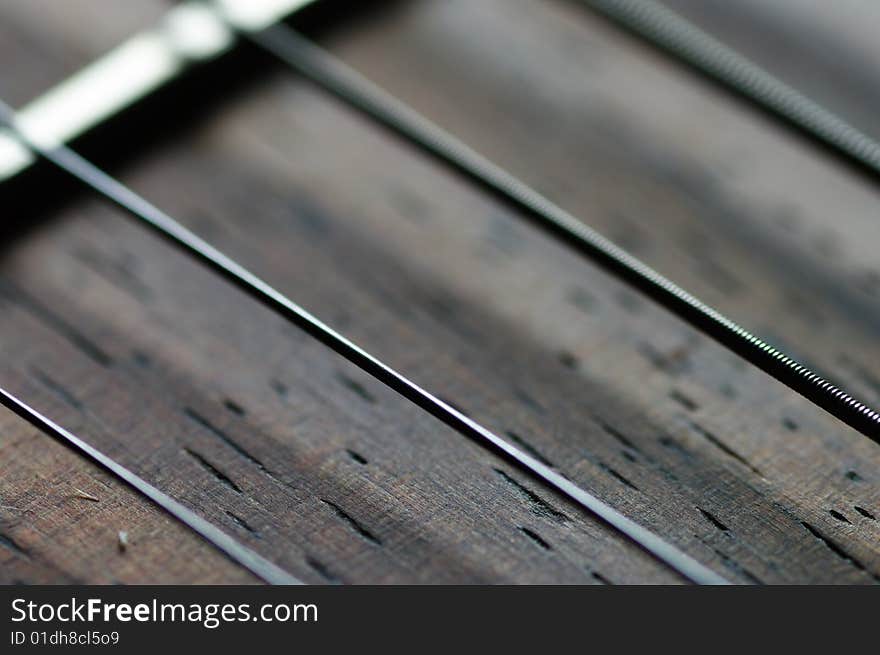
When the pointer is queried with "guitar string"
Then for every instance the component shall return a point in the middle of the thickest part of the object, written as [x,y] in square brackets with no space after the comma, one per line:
[675,35]
[176,234]
[234,550]
[653,16]
[353,88]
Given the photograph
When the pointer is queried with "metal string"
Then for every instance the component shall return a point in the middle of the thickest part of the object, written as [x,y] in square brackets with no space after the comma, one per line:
[335,76]
[170,230]
[237,552]
[682,39]
[663,28]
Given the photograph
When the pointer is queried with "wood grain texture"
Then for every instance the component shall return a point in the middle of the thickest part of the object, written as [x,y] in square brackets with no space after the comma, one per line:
[333,477]
[60,520]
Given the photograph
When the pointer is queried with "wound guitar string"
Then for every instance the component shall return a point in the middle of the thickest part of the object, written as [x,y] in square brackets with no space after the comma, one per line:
[649,20]
[333,75]
[675,35]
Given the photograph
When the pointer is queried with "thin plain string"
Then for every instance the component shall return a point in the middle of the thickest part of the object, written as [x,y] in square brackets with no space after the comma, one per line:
[234,550]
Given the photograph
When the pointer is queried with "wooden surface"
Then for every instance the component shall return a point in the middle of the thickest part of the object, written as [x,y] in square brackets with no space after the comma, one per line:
[324,471]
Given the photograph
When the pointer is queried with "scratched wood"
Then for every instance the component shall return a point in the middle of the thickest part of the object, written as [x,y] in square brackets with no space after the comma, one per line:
[61,517]
[327,473]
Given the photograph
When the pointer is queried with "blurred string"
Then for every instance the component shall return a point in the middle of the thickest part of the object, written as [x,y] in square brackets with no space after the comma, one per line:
[176,234]
[677,36]
[648,19]
[335,76]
